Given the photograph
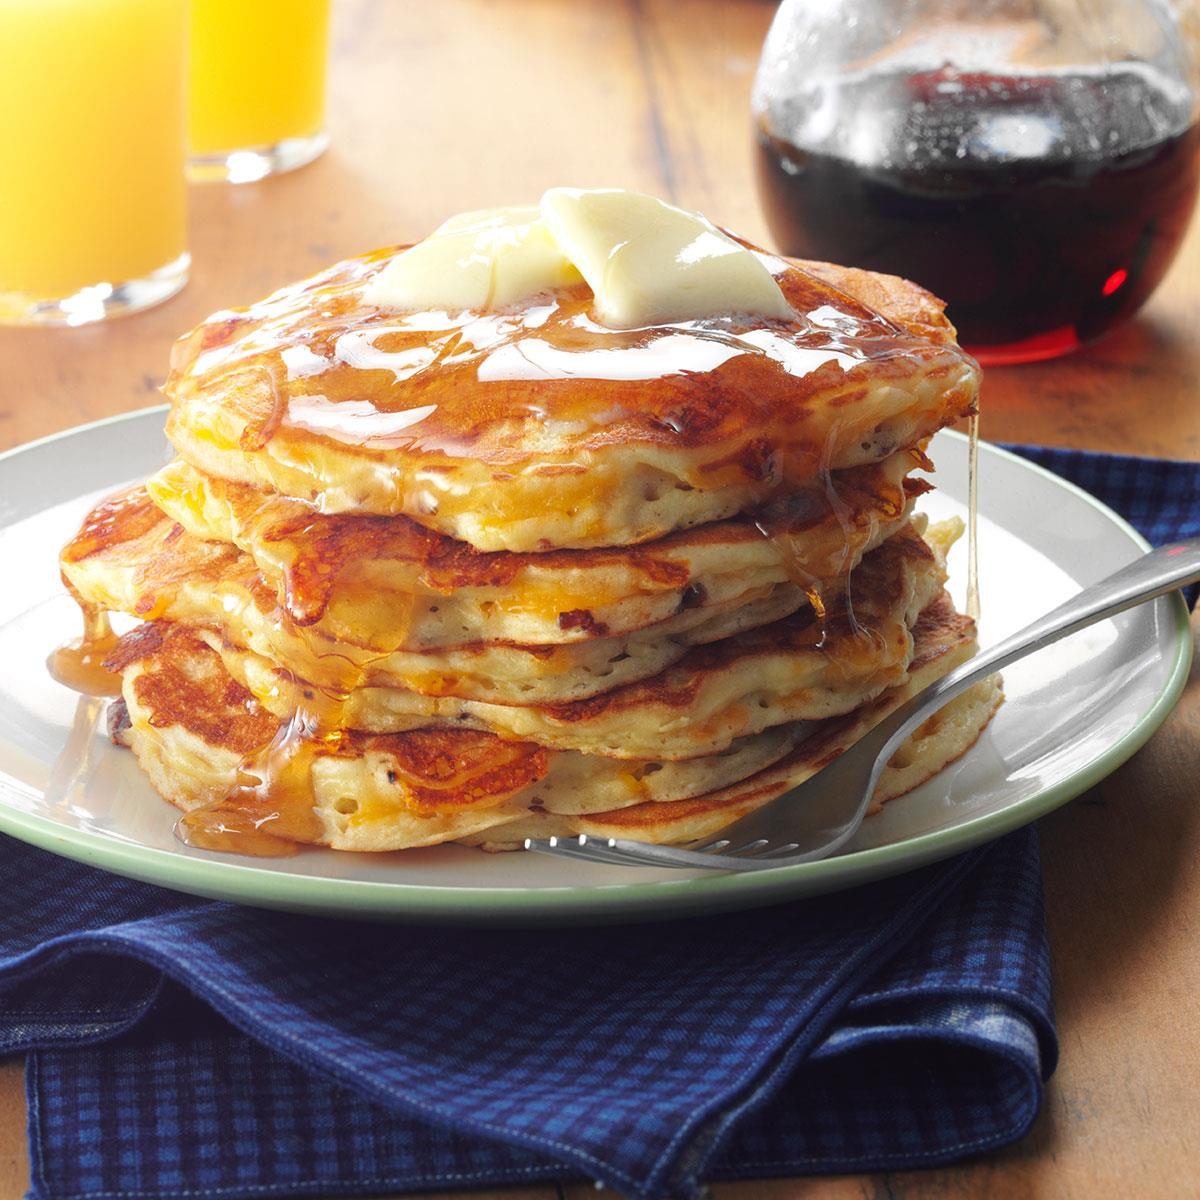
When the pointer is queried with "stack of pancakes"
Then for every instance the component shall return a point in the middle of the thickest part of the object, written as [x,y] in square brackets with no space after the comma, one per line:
[421,577]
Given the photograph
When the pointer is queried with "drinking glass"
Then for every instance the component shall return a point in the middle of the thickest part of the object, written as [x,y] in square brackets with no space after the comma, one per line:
[1032,162]
[93,202]
[257,87]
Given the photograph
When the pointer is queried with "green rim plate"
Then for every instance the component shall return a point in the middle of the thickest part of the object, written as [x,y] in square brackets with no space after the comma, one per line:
[108,452]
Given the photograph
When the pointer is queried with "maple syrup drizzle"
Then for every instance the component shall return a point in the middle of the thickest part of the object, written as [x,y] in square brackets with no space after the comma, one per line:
[850,544]
[972,512]
[781,538]
[838,508]
[817,601]
[440,385]
[858,521]
[79,664]
[271,810]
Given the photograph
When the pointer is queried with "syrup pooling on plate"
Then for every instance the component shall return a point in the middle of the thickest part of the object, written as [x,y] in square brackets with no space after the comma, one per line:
[269,813]
[80,665]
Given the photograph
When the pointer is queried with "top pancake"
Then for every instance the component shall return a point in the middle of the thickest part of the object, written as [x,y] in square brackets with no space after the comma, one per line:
[535,427]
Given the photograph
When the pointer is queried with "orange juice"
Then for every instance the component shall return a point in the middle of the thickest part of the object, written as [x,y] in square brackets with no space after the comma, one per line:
[258,80]
[92,146]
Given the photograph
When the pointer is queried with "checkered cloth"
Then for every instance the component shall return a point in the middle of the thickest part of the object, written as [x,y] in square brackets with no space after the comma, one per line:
[1159,497]
[180,1046]
[189,1046]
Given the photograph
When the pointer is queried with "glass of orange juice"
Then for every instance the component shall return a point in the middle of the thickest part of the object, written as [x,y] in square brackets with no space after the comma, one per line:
[257,87]
[93,200]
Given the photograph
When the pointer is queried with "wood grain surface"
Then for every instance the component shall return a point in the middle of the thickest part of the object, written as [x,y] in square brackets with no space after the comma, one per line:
[436,108]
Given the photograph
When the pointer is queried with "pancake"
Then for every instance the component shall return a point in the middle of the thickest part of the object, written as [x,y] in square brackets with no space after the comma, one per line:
[535,428]
[801,668]
[944,640]
[359,573]
[129,557]
[198,734]
[148,567]
[454,543]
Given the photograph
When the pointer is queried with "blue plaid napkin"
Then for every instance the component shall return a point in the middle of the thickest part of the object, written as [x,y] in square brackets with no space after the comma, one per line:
[180,1046]
[189,1046]
[1159,497]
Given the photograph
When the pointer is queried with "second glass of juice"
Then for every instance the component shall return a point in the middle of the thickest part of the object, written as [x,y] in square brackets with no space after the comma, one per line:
[257,87]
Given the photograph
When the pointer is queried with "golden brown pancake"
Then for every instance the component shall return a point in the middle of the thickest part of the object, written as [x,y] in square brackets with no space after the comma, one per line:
[799,668]
[537,428]
[358,573]
[198,733]
[944,639]
[128,557]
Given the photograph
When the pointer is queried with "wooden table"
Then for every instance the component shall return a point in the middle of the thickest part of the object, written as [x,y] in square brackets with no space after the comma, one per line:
[436,108]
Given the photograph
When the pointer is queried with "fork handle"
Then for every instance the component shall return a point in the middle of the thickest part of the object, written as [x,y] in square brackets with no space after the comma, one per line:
[1154,574]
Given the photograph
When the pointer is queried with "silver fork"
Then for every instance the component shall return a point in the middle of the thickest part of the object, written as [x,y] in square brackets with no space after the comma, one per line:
[817,818]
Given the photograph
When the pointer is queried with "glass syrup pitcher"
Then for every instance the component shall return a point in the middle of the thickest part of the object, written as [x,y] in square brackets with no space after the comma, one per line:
[1032,162]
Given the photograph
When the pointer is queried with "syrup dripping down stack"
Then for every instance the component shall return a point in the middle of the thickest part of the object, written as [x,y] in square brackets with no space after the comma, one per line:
[475,576]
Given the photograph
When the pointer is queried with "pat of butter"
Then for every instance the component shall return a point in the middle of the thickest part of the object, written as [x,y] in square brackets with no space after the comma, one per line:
[477,260]
[646,261]
[650,263]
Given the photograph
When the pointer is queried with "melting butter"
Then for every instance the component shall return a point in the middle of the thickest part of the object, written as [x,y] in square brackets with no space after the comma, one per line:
[650,263]
[646,261]
[477,260]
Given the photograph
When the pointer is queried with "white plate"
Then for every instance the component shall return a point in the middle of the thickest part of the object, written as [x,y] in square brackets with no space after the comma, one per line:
[1074,712]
